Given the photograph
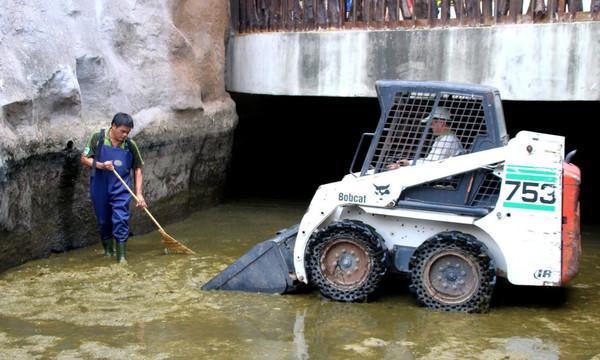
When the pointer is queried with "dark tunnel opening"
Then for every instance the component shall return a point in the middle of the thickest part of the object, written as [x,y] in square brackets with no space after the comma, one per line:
[285,147]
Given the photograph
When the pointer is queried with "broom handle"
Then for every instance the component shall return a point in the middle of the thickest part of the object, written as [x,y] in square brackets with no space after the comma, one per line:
[136,199]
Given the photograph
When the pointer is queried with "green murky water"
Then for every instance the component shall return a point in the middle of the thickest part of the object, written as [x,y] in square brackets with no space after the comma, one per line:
[81,305]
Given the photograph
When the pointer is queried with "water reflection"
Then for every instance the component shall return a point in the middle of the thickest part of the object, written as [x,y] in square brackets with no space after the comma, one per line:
[299,341]
[337,331]
[81,305]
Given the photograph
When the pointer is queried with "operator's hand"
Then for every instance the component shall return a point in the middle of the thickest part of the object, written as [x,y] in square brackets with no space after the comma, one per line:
[141,201]
[108,165]
[397,164]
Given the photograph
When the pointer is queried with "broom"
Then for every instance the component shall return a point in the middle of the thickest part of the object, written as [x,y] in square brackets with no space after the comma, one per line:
[170,243]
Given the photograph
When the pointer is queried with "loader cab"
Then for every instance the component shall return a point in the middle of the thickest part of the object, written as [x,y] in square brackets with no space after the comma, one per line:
[409,129]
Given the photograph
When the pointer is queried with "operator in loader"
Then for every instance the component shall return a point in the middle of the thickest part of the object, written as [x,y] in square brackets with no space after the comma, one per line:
[445,145]
[107,151]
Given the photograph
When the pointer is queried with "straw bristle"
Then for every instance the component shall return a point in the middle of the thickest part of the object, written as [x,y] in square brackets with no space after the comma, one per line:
[173,245]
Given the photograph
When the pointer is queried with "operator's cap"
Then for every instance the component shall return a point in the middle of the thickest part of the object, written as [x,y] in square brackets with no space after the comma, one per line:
[439,113]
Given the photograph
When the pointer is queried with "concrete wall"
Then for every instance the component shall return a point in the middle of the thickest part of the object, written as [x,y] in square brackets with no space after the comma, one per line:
[525,62]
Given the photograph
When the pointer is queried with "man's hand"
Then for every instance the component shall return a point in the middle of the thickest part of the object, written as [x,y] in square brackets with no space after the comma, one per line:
[397,164]
[108,165]
[141,201]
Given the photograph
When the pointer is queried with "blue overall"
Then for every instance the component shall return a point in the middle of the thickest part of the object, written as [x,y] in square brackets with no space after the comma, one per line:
[111,199]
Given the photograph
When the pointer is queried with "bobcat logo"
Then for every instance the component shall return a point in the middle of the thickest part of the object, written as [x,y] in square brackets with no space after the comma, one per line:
[382,190]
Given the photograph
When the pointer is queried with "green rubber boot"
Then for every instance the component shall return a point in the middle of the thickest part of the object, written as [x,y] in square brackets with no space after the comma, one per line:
[121,252]
[108,246]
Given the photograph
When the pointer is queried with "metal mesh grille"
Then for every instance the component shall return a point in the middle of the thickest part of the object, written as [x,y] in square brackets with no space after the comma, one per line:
[403,129]
[488,192]
[410,133]
[468,119]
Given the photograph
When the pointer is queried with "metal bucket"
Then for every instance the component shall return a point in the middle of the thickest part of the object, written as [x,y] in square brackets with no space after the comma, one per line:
[267,268]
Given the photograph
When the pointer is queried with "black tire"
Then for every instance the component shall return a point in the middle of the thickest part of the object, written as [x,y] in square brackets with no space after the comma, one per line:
[453,272]
[346,261]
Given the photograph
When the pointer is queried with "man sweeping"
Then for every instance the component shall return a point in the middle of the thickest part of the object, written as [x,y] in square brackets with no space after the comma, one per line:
[109,150]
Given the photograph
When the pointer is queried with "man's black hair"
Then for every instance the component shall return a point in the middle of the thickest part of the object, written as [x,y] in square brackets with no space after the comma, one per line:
[122,119]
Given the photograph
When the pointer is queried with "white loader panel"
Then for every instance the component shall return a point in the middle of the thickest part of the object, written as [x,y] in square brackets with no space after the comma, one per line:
[330,198]
[527,221]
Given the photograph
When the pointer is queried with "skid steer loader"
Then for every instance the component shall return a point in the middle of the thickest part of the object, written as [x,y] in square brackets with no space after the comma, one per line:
[442,196]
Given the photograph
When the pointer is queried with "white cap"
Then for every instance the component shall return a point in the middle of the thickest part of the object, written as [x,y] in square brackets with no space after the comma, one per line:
[439,113]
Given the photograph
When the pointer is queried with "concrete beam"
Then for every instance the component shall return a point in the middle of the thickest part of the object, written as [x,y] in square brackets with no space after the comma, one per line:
[525,62]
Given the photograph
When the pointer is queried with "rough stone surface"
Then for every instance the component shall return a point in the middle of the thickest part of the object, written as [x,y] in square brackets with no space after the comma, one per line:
[66,67]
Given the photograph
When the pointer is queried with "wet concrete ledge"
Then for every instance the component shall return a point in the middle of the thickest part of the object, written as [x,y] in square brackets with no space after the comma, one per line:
[525,61]
[45,204]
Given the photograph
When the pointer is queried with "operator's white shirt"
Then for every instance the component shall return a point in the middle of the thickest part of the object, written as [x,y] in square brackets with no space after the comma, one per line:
[443,147]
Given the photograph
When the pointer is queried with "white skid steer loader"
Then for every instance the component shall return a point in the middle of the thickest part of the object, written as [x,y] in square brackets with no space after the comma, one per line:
[443,196]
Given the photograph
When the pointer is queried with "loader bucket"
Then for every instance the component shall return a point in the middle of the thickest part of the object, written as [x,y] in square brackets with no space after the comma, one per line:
[266,268]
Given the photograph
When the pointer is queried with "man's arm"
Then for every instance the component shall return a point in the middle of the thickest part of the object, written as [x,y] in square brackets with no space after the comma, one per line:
[87,157]
[88,161]
[138,178]
[139,187]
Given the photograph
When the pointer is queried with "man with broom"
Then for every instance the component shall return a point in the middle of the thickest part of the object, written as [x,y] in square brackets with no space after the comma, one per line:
[108,151]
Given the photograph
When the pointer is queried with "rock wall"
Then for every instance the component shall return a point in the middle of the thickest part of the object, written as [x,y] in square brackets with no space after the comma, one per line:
[66,67]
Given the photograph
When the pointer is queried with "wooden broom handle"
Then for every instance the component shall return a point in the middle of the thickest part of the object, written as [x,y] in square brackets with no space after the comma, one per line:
[136,199]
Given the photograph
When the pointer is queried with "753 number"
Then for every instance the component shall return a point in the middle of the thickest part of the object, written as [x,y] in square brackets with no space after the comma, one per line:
[532,192]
